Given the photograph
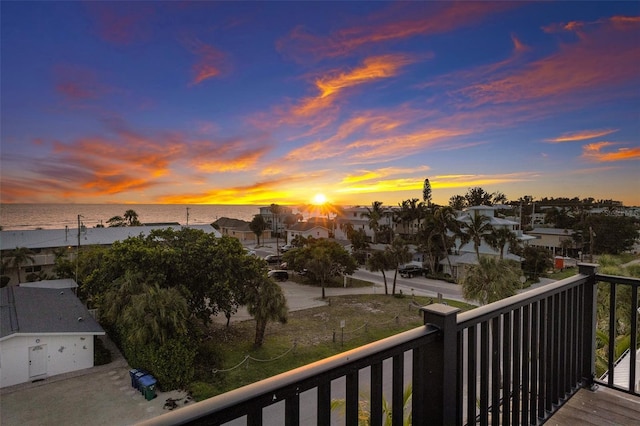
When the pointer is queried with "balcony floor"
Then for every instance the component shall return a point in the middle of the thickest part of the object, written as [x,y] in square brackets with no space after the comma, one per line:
[603,406]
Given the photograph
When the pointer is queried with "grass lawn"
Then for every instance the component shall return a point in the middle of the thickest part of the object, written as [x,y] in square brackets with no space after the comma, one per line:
[307,337]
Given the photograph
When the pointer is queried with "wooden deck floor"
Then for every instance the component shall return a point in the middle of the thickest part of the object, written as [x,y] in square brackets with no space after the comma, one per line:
[603,406]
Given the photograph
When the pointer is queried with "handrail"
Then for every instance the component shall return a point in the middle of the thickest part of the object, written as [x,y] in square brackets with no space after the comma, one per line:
[485,312]
[272,385]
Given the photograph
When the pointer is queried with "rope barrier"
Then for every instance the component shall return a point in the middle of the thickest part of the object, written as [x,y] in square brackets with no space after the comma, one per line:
[249,357]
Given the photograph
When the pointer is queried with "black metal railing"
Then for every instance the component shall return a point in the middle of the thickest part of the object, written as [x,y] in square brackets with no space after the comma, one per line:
[510,362]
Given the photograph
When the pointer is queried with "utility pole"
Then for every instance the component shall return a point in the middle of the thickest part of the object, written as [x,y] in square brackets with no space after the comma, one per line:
[78,248]
[187,217]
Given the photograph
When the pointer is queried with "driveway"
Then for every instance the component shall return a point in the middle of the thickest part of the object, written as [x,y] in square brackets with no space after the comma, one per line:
[96,396]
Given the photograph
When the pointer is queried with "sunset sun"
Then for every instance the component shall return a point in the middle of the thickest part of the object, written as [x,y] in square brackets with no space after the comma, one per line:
[319,199]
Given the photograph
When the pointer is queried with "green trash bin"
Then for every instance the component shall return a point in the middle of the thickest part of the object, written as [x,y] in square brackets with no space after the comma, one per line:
[148,386]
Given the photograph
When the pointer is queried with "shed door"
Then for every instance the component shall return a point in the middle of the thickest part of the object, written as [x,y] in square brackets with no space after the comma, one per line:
[37,360]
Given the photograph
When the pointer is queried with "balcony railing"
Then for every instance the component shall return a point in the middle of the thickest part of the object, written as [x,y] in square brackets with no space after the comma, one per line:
[515,361]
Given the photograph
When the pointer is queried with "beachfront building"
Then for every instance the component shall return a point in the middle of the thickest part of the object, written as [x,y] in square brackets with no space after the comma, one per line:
[46,244]
[277,223]
[45,330]
[239,229]
[465,254]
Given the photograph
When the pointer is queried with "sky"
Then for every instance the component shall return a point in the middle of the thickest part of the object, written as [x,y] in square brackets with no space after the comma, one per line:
[277,102]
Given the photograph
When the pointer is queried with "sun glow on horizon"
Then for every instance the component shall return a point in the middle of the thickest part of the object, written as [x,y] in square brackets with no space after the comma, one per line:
[319,199]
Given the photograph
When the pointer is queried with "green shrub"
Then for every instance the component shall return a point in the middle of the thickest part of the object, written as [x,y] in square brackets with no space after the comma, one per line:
[171,363]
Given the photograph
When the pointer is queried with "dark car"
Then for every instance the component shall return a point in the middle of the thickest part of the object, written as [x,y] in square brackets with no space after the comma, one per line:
[410,271]
[273,259]
[279,275]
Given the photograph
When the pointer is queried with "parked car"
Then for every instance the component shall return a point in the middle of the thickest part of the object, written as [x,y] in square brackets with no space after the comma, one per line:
[285,248]
[410,271]
[273,259]
[278,274]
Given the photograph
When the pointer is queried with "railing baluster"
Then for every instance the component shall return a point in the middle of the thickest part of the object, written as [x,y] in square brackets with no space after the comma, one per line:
[292,410]
[535,362]
[353,405]
[472,374]
[376,395]
[563,349]
[634,339]
[418,408]
[324,404]
[484,373]
[526,361]
[553,348]
[254,417]
[397,390]
[516,354]
[506,368]
[495,370]
[612,333]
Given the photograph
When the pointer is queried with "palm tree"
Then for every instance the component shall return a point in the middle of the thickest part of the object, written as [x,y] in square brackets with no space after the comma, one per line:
[155,316]
[445,220]
[500,238]
[266,302]
[132,218]
[477,230]
[399,254]
[374,214]
[257,226]
[380,261]
[490,280]
[19,256]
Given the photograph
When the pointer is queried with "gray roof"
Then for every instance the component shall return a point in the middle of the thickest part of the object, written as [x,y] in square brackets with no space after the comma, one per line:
[236,224]
[551,231]
[28,310]
[59,284]
[51,238]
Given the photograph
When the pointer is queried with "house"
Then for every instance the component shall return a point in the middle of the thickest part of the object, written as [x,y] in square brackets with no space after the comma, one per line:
[46,244]
[558,241]
[314,228]
[465,254]
[43,332]
[238,229]
[277,223]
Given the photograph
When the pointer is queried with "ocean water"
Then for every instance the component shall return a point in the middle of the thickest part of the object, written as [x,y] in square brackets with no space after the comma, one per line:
[57,216]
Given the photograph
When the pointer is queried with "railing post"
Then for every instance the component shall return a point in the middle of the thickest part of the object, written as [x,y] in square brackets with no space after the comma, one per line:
[589,324]
[437,398]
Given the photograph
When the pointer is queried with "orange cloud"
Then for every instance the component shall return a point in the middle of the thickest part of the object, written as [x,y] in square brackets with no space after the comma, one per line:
[231,163]
[594,152]
[434,18]
[330,85]
[605,56]
[210,63]
[582,135]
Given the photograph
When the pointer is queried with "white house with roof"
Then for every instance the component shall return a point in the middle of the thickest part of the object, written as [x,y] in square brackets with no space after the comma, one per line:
[45,242]
[314,228]
[465,253]
[43,332]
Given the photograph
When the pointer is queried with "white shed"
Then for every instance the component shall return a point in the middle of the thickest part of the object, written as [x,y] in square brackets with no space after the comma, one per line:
[43,332]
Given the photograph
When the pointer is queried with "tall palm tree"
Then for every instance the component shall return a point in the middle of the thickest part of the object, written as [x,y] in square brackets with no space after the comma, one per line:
[399,254]
[18,257]
[445,220]
[477,230]
[374,214]
[499,239]
[380,261]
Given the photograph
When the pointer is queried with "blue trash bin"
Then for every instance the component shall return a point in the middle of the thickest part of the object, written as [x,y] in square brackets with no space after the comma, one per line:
[137,376]
[132,374]
[148,386]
